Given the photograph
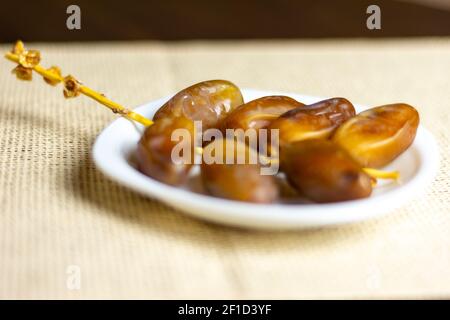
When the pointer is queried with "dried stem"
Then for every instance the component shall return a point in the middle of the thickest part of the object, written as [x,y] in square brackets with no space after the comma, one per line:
[72,87]
[380,174]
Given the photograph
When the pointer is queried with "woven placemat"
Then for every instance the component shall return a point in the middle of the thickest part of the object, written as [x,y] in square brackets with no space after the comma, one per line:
[67,231]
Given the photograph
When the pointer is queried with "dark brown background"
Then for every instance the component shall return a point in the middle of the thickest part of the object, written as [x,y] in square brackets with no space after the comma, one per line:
[225,19]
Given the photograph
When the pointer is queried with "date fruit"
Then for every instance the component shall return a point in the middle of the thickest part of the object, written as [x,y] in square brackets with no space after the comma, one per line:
[154,152]
[236,181]
[207,101]
[377,136]
[315,121]
[259,113]
[324,172]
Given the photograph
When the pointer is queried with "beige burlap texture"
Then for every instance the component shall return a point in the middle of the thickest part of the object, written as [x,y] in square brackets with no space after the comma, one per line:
[60,215]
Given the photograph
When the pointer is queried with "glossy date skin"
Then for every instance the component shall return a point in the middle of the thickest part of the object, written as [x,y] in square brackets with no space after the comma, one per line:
[259,113]
[207,101]
[154,152]
[377,136]
[315,121]
[241,182]
[324,172]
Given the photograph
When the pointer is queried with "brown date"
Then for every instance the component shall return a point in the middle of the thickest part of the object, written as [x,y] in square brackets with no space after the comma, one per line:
[259,113]
[315,121]
[377,136]
[324,172]
[207,101]
[154,152]
[242,182]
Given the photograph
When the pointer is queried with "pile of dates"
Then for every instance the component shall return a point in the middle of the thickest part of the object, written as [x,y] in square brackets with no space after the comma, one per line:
[324,147]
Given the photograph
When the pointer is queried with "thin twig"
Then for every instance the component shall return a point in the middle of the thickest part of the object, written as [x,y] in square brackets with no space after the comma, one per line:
[29,60]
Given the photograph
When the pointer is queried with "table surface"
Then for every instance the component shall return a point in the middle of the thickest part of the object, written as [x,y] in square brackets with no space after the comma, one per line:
[60,218]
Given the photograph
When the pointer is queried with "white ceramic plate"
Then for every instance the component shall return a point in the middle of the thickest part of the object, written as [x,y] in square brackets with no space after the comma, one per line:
[115,146]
